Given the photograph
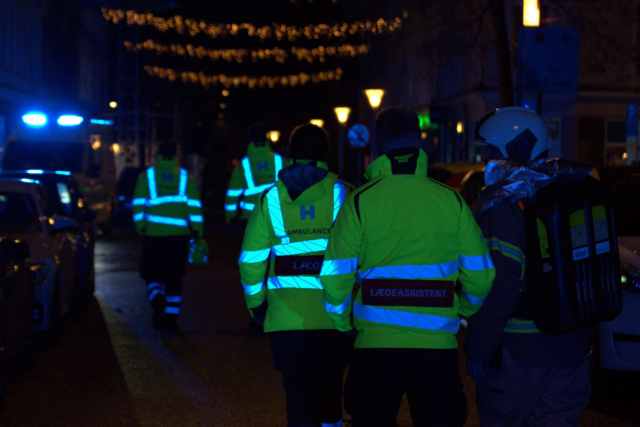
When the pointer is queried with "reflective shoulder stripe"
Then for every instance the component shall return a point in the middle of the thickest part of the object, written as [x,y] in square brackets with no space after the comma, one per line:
[339,266]
[432,271]
[235,192]
[338,309]
[248,175]
[257,190]
[138,217]
[254,256]
[294,282]
[300,248]
[473,300]
[184,178]
[277,160]
[151,178]
[405,319]
[252,289]
[476,263]
[139,201]
[339,196]
[275,212]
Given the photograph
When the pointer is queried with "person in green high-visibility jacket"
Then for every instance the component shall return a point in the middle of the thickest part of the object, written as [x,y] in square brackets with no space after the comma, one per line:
[167,211]
[285,240]
[406,239]
[257,171]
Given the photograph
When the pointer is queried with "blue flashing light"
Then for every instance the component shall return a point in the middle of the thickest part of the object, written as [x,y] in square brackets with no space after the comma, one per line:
[30,181]
[35,171]
[35,119]
[66,173]
[69,120]
[101,122]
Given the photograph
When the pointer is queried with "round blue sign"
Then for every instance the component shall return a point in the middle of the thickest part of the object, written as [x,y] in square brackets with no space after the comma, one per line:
[359,136]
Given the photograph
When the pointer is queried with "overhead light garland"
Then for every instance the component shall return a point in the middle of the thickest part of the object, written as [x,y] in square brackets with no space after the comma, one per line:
[271,82]
[194,27]
[278,54]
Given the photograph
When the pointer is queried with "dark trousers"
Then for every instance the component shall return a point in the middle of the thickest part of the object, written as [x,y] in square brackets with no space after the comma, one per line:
[312,365]
[522,395]
[163,264]
[378,379]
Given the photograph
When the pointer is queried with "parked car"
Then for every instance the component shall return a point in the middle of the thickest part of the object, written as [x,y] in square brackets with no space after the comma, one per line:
[67,201]
[28,215]
[16,303]
[124,195]
[619,340]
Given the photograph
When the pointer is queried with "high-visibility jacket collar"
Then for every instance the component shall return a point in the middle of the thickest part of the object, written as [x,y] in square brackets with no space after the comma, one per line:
[402,161]
[253,148]
[310,195]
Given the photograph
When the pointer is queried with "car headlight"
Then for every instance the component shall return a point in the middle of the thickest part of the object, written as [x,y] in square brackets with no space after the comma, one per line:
[40,273]
[630,278]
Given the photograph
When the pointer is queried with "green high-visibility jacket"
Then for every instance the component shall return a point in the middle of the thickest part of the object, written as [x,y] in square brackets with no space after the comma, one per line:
[406,239]
[166,201]
[289,237]
[256,172]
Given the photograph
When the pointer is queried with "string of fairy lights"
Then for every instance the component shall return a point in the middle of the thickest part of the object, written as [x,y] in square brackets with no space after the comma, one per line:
[194,27]
[210,80]
[320,53]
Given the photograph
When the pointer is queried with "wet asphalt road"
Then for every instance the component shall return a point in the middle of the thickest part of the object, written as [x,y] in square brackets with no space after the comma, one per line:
[112,369]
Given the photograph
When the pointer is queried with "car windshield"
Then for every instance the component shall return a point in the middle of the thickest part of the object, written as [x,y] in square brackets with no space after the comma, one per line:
[18,213]
[67,156]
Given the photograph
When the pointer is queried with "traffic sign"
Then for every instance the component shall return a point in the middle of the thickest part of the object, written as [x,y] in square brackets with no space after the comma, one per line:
[632,121]
[359,136]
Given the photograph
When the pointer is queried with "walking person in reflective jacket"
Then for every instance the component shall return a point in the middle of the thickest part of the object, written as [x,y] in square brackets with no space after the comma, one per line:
[523,376]
[406,239]
[285,240]
[257,171]
[166,211]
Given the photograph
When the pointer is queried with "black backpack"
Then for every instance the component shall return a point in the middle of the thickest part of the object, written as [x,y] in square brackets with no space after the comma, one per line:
[572,265]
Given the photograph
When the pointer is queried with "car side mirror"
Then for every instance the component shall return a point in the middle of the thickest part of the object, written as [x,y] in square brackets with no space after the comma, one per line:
[62,224]
[14,250]
[89,215]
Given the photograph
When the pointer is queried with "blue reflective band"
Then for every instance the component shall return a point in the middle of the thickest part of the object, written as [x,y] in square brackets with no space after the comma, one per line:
[473,300]
[299,248]
[338,309]
[257,190]
[247,206]
[196,218]
[277,160]
[252,289]
[167,199]
[294,282]
[248,176]
[405,318]
[138,217]
[193,203]
[339,266]
[231,208]
[339,195]
[35,171]
[139,202]
[155,285]
[234,193]
[172,310]
[174,299]
[434,271]
[65,173]
[167,221]
[254,256]
[151,177]
[476,263]
[155,293]
[184,177]
[275,213]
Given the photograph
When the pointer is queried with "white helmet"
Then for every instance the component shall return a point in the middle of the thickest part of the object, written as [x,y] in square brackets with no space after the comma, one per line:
[519,133]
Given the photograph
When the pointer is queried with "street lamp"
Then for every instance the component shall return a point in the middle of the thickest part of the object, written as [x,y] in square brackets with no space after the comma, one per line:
[459,127]
[530,13]
[113,104]
[375,99]
[274,136]
[317,122]
[342,113]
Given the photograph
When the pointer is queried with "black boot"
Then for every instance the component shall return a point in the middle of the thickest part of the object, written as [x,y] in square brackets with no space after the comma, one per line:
[171,323]
[158,304]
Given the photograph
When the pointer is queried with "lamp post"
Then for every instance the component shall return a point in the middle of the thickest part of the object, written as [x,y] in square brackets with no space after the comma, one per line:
[375,99]
[317,122]
[274,136]
[342,113]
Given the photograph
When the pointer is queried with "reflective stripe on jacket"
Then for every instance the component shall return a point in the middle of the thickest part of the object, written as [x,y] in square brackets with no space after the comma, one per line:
[293,234]
[406,239]
[256,172]
[166,201]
